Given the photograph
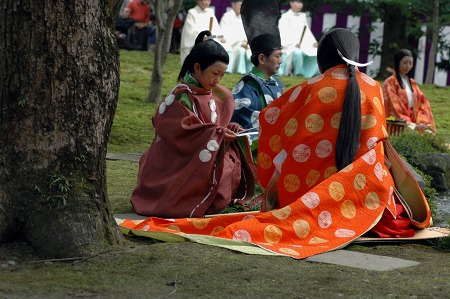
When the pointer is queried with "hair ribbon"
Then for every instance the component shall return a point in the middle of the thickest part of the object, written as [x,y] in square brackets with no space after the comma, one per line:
[348,61]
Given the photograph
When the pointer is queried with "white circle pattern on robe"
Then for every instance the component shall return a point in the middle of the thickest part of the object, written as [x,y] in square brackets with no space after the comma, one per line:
[162,108]
[212,145]
[169,99]
[242,103]
[324,148]
[268,99]
[205,155]
[255,119]
[212,106]
[238,87]
[301,153]
[295,94]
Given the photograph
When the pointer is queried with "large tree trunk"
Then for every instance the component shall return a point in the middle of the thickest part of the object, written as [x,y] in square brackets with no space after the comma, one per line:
[394,37]
[164,27]
[59,79]
[434,42]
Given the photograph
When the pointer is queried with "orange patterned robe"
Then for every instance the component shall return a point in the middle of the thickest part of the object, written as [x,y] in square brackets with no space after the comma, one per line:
[396,103]
[321,209]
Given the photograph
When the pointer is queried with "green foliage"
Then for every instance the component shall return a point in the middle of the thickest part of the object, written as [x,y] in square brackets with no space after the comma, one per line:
[56,193]
[412,146]
[443,243]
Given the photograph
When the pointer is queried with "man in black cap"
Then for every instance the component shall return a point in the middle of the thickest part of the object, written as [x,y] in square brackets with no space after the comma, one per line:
[260,87]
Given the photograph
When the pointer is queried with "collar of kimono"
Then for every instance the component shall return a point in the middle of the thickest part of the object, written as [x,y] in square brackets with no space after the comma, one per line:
[259,75]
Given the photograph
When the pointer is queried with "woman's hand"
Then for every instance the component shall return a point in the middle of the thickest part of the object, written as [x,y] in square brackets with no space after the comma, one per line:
[229,136]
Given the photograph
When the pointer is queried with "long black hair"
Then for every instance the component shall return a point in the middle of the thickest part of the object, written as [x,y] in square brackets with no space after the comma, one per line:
[205,52]
[398,56]
[347,43]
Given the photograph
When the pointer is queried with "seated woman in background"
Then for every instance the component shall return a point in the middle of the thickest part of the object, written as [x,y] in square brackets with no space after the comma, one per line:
[196,164]
[403,97]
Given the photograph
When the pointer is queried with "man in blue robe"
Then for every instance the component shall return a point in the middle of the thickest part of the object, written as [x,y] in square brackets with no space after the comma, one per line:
[259,87]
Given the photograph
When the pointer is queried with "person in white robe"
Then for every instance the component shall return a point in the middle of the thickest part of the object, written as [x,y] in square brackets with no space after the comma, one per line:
[234,33]
[199,18]
[299,43]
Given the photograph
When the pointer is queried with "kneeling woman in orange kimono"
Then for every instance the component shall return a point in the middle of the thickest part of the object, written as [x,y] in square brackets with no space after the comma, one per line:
[403,97]
[195,165]
[322,145]
[321,161]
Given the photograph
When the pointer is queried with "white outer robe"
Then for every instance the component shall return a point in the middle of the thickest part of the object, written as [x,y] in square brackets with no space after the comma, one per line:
[291,26]
[197,20]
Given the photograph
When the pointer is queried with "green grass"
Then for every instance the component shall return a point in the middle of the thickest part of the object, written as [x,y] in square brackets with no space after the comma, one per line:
[133,131]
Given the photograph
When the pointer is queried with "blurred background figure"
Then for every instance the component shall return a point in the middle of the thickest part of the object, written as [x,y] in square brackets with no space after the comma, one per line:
[122,28]
[199,18]
[234,33]
[140,13]
[403,97]
[299,43]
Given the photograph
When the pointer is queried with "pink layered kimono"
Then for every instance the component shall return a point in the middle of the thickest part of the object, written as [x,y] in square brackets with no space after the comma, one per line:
[190,168]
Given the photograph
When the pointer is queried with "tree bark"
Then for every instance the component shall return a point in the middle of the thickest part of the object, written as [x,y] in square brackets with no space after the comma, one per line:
[164,27]
[394,37]
[59,81]
[434,41]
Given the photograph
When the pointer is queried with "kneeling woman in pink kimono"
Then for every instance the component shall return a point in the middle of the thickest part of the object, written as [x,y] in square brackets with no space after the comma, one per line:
[196,164]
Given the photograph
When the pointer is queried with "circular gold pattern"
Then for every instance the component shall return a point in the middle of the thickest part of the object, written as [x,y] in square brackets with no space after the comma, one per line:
[264,160]
[308,98]
[314,123]
[359,182]
[368,122]
[336,120]
[317,240]
[272,234]
[289,251]
[329,172]
[363,97]
[291,182]
[282,213]
[378,104]
[348,209]
[275,143]
[301,228]
[312,177]
[201,223]
[327,95]
[217,229]
[348,168]
[291,127]
[174,227]
[372,201]
[336,190]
